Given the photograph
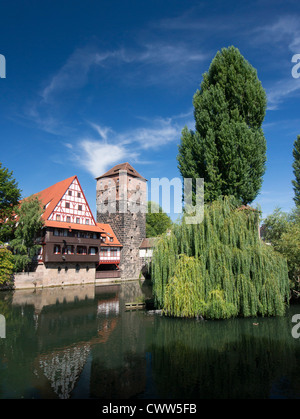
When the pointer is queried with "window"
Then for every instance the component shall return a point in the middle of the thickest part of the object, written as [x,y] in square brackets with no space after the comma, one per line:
[56,249]
[67,205]
[78,220]
[113,252]
[57,217]
[93,251]
[81,250]
[68,250]
[78,195]
[111,239]
[70,193]
[79,207]
[77,268]
[103,252]
[87,221]
[56,232]
[68,219]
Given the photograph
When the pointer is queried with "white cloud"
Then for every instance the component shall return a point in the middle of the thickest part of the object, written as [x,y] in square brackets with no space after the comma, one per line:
[159,132]
[281,90]
[285,32]
[74,73]
[162,131]
[97,157]
[179,54]
[102,131]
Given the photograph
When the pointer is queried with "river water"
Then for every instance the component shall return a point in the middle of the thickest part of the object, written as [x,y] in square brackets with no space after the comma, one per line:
[80,342]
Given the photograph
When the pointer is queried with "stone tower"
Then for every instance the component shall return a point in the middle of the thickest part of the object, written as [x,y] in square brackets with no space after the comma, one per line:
[121,195]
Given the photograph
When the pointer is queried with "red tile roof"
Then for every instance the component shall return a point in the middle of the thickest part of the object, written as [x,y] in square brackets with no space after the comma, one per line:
[123,166]
[107,228]
[52,195]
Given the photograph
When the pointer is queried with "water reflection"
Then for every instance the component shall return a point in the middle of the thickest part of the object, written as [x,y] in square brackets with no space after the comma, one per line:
[231,359]
[80,342]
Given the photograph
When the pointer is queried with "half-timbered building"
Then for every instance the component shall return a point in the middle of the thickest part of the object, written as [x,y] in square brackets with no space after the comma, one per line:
[73,243]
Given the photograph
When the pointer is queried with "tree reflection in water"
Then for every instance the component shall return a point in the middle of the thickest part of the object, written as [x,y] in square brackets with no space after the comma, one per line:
[82,343]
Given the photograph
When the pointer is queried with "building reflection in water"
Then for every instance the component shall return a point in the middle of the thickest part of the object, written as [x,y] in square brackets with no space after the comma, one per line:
[80,342]
[85,329]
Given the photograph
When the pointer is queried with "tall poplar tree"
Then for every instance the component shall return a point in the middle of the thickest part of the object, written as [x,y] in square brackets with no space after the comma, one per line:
[228,147]
[296,167]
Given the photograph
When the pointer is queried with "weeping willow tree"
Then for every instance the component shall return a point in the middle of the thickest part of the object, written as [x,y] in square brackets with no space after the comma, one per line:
[219,268]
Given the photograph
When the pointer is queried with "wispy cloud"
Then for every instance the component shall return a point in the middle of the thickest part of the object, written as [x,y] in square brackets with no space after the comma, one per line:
[102,131]
[97,155]
[284,32]
[282,90]
[162,132]
[74,74]
[170,54]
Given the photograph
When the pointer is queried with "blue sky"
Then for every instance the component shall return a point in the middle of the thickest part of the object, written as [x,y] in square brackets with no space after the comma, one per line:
[92,84]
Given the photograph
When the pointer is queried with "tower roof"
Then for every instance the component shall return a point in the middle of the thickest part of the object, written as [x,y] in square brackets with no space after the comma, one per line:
[123,166]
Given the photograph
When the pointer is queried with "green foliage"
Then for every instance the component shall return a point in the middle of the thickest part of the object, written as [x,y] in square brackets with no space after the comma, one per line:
[157,221]
[228,148]
[6,264]
[9,198]
[28,227]
[289,246]
[282,230]
[274,226]
[296,167]
[219,268]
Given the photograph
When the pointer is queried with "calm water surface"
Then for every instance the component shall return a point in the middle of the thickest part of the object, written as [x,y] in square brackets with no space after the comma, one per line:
[80,342]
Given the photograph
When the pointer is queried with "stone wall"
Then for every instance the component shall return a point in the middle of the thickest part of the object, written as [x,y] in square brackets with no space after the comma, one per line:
[130,229]
[52,275]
